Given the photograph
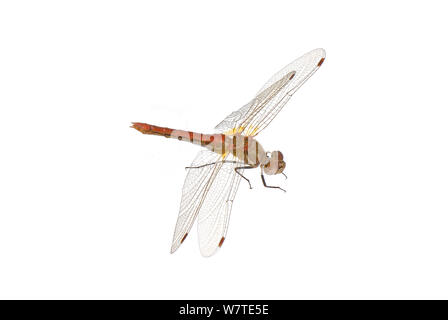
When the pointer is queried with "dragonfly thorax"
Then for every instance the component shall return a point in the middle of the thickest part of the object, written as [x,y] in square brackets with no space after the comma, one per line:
[274,163]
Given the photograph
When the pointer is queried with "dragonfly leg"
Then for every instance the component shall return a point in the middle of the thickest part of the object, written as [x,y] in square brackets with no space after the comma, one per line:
[209,164]
[246,167]
[236,169]
[286,177]
[264,183]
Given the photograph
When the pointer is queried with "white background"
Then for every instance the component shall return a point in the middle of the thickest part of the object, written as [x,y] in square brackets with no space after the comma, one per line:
[88,205]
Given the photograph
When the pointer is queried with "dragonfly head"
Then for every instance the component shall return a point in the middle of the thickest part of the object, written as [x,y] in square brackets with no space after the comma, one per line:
[274,163]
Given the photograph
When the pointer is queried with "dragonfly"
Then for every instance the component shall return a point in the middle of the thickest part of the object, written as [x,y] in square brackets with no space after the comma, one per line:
[214,175]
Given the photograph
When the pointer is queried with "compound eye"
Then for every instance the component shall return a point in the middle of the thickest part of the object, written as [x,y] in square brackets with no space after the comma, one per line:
[277,155]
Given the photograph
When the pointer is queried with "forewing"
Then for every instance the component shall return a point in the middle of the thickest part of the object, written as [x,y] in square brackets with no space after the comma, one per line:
[252,118]
[196,185]
[214,214]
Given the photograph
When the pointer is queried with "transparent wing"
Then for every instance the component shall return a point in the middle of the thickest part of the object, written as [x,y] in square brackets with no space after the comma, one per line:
[252,118]
[214,215]
[194,190]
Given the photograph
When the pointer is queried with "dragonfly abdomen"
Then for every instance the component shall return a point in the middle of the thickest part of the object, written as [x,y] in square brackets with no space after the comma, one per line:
[213,142]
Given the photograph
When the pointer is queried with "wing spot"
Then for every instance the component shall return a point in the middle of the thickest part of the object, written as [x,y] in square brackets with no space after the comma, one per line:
[292,76]
[184,237]
[221,242]
[320,62]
